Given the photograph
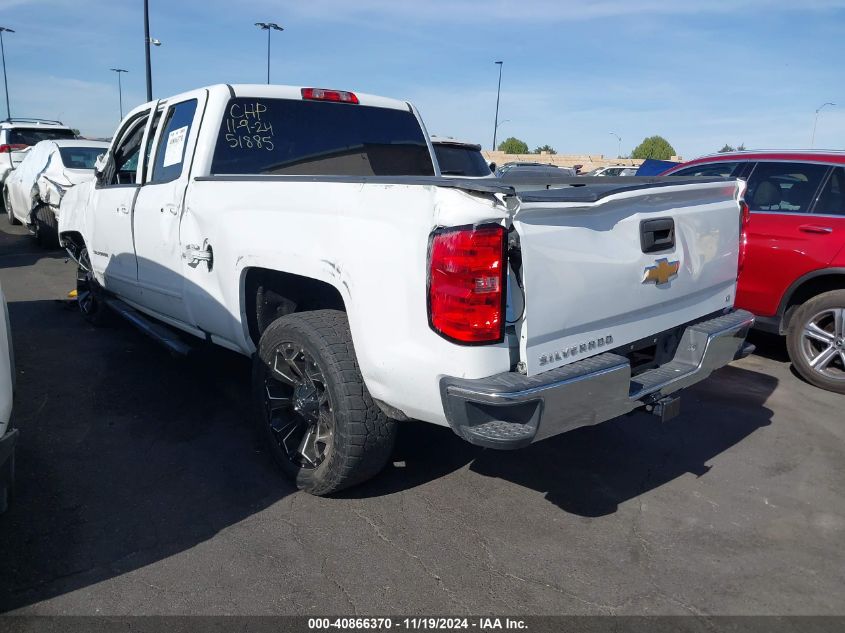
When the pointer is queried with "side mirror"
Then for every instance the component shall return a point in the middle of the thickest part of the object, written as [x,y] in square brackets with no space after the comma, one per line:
[492,166]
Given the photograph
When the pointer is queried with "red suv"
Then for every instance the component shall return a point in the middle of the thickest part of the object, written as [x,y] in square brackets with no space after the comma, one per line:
[793,277]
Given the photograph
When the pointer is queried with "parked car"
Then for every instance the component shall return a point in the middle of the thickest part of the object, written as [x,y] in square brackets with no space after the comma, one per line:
[18,135]
[33,191]
[613,170]
[793,278]
[531,169]
[8,435]
[368,289]
[535,176]
[460,158]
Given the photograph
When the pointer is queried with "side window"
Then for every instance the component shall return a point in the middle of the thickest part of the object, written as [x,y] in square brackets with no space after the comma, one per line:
[832,199]
[784,187]
[722,169]
[170,154]
[122,169]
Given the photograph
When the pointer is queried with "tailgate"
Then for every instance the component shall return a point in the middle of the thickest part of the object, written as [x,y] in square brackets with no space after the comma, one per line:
[590,287]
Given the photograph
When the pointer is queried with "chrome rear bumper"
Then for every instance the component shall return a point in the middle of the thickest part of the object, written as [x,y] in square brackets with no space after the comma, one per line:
[511,410]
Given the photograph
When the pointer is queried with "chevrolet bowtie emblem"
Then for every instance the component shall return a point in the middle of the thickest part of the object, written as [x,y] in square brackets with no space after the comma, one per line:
[662,272]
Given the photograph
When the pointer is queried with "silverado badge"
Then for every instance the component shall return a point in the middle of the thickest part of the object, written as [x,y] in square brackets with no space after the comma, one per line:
[662,272]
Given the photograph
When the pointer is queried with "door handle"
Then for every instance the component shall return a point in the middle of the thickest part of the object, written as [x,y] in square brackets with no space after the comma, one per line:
[170,207]
[123,209]
[815,228]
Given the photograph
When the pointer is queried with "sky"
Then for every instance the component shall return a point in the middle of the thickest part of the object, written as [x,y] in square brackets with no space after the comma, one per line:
[700,73]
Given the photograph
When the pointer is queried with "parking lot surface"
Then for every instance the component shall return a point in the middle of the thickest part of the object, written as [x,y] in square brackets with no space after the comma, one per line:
[142,489]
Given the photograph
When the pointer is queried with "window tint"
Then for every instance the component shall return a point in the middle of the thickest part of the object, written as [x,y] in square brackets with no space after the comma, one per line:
[721,168]
[124,164]
[286,136]
[31,136]
[80,157]
[170,154]
[456,160]
[832,199]
[784,186]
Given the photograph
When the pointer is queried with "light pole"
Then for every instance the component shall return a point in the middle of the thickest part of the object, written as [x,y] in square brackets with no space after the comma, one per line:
[3,29]
[120,88]
[815,122]
[147,41]
[618,138]
[498,93]
[268,26]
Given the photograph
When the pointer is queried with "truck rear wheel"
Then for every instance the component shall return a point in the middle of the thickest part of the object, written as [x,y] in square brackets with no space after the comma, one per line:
[46,227]
[312,407]
[816,341]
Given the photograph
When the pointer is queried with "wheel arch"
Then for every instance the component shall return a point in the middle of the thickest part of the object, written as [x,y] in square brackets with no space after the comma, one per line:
[806,287]
[267,294]
[73,242]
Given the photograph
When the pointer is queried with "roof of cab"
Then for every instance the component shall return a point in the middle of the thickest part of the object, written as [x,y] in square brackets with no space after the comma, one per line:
[275,91]
[451,140]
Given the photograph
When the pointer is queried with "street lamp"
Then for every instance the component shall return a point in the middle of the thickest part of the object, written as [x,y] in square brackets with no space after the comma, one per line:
[618,138]
[498,93]
[268,26]
[147,41]
[3,29]
[119,88]
[815,122]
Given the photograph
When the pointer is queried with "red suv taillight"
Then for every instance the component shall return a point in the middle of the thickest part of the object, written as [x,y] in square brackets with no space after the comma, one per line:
[14,147]
[744,219]
[466,284]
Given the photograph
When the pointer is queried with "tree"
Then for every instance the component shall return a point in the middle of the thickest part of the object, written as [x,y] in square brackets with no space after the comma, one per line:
[513,145]
[655,147]
[545,148]
[75,131]
[726,148]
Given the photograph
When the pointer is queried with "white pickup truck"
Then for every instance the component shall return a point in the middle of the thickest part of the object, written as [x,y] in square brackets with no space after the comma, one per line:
[311,229]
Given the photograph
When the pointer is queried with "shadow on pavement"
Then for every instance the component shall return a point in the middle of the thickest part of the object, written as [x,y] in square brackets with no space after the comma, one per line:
[591,470]
[771,346]
[126,456]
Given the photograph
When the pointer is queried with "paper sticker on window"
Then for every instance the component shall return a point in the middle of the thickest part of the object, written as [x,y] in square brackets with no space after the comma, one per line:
[175,146]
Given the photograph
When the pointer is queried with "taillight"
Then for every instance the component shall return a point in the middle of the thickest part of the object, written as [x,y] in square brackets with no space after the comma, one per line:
[466,284]
[322,94]
[744,219]
[14,147]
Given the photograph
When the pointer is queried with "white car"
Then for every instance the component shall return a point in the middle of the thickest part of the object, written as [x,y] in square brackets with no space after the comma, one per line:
[311,230]
[33,191]
[8,435]
[19,134]
[460,158]
[613,170]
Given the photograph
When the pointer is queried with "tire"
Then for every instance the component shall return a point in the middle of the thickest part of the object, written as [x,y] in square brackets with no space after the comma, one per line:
[46,227]
[9,215]
[816,341]
[312,408]
[89,293]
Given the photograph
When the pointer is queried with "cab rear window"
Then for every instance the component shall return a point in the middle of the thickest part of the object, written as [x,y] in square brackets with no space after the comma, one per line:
[292,137]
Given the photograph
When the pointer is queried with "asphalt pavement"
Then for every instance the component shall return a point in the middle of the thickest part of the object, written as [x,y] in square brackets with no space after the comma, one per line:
[142,489]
